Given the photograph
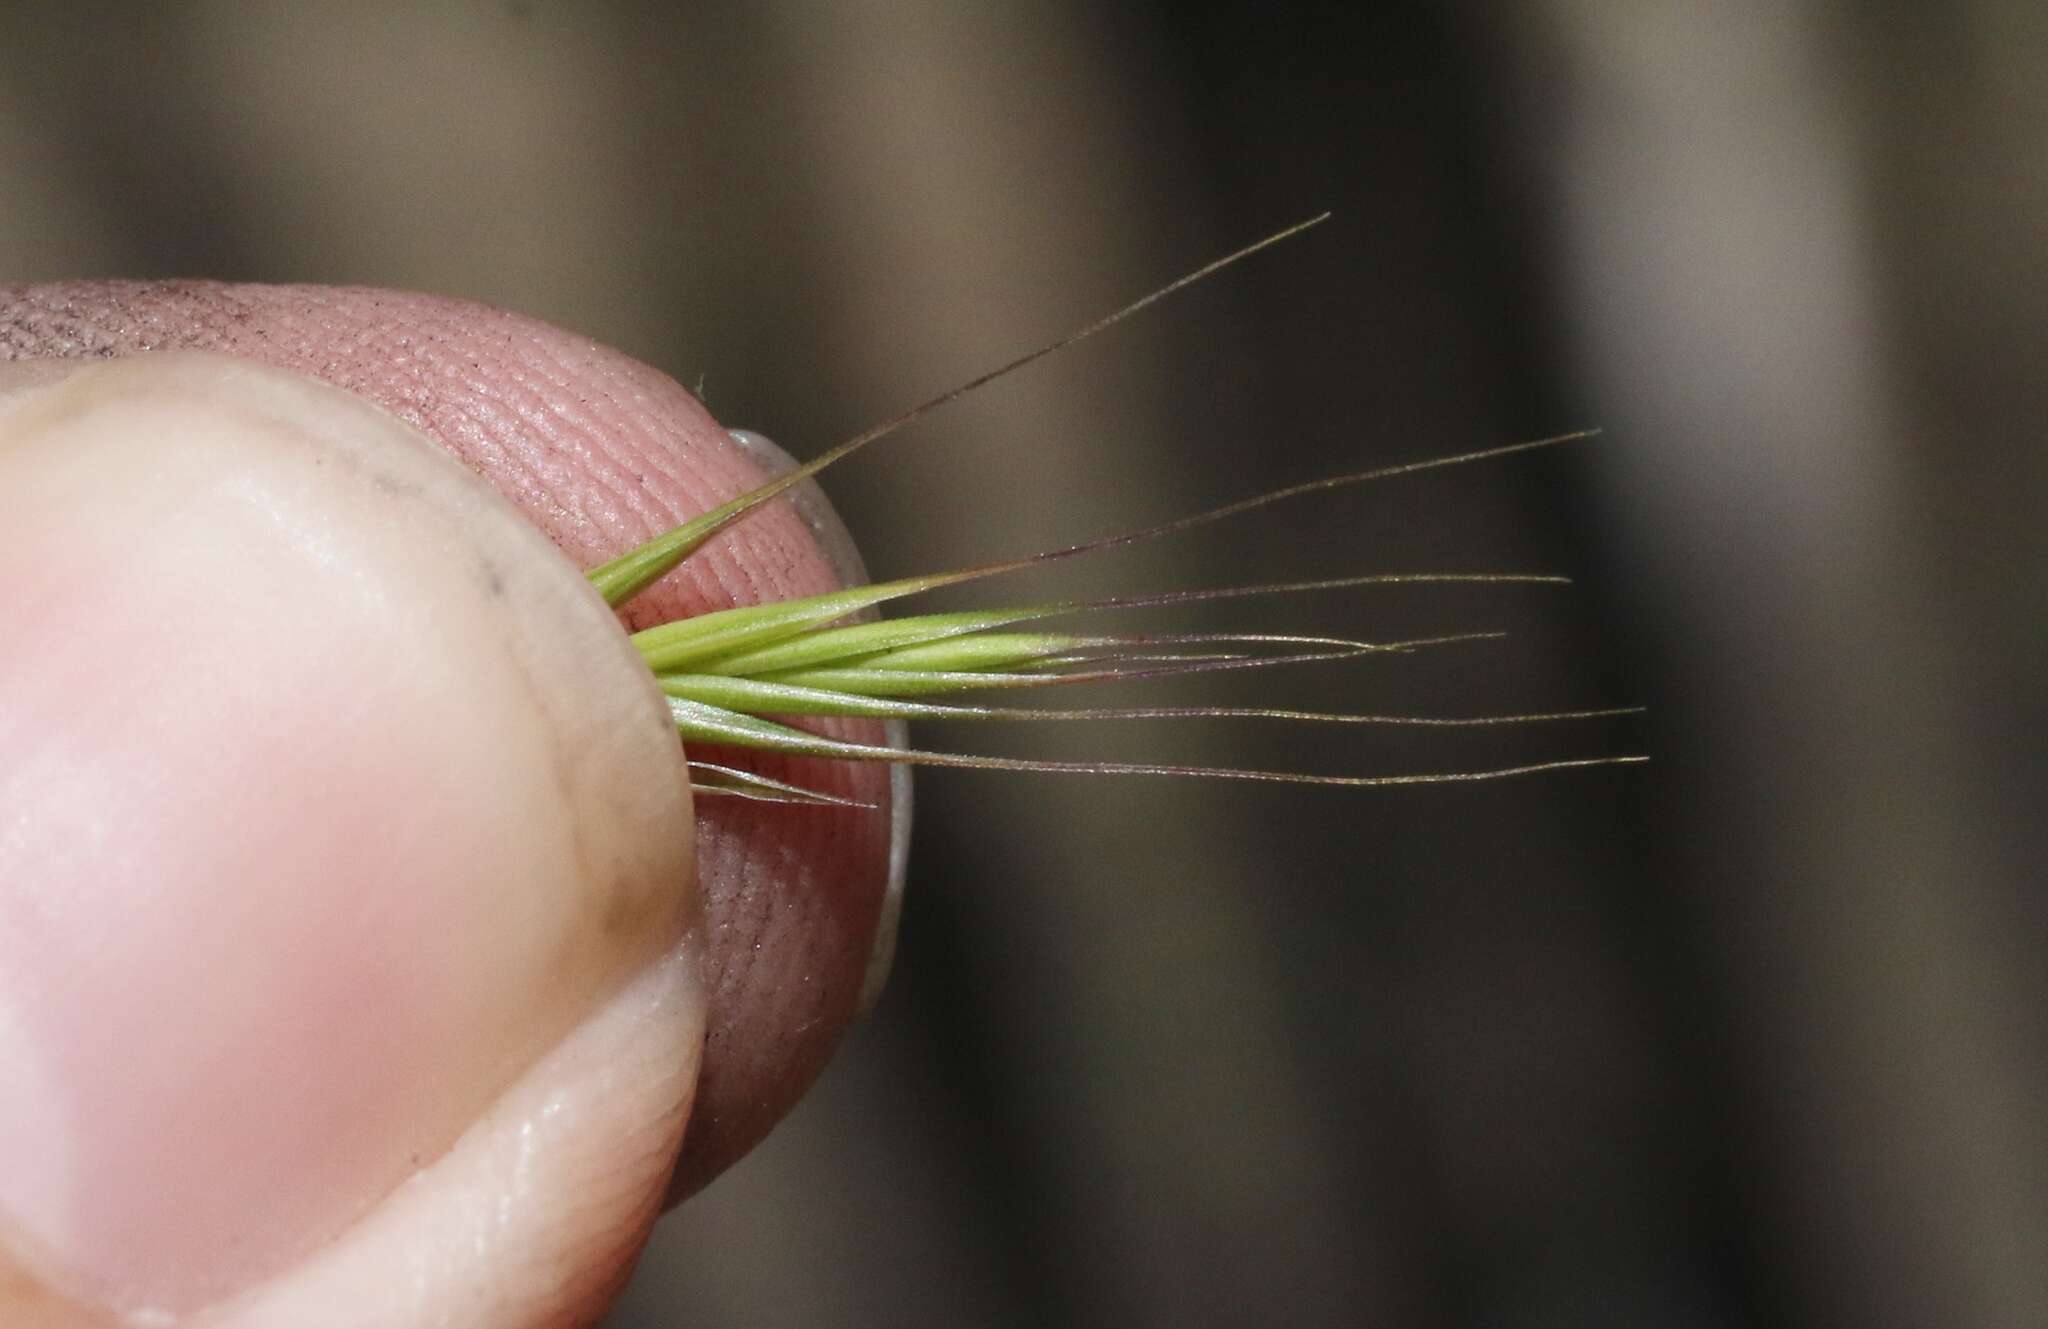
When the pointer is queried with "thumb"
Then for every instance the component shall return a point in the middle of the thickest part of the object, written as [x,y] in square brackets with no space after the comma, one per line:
[318,852]
[345,939]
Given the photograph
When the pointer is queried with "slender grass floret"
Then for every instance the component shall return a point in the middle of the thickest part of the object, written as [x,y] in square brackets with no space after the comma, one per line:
[727,674]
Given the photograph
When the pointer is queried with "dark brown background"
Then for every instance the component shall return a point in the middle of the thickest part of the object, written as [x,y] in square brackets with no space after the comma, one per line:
[1753,1036]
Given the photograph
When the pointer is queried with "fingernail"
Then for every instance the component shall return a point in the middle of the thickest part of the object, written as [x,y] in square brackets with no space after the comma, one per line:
[330,797]
[836,542]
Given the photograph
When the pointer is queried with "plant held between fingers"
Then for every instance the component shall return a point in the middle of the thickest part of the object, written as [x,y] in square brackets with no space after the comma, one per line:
[729,673]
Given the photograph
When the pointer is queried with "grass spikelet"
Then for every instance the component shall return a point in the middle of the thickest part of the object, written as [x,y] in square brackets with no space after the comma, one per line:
[728,674]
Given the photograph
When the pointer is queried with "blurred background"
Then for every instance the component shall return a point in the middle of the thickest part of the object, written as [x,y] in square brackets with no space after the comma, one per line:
[1757,1035]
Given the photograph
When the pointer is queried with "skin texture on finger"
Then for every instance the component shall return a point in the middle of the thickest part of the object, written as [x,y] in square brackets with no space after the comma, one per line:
[336,799]
[601,453]
[534,1218]
[26,1302]
[476,1237]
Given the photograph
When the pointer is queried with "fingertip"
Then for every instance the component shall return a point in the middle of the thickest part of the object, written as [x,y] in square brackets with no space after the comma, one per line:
[537,1213]
[599,452]
[336,799]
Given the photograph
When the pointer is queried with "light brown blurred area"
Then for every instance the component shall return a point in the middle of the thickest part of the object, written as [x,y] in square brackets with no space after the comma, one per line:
[1757,1035]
